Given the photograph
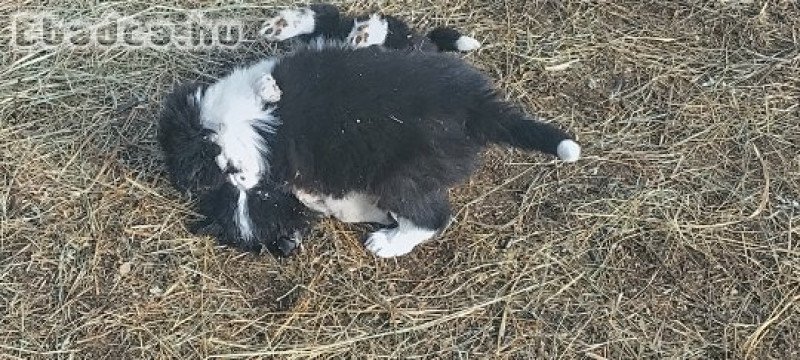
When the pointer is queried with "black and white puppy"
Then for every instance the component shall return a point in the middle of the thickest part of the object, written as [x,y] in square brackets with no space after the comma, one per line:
[236,205]
[365,135]
[326,22]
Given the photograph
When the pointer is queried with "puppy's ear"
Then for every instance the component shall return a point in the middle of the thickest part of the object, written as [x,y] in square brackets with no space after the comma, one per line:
[206,227]
[189,158]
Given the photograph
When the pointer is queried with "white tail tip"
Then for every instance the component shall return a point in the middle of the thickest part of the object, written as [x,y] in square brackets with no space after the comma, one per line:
[569,151]
[466,43]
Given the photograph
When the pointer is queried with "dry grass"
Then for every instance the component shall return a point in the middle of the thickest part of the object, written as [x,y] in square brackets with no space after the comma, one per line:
[676,236]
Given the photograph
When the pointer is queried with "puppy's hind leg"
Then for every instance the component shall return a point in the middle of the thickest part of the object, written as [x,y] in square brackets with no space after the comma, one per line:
[419,218]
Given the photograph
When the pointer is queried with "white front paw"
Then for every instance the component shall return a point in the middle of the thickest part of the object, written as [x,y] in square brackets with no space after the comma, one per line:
[383,243]
[268,89]
[372,31]
[288,24]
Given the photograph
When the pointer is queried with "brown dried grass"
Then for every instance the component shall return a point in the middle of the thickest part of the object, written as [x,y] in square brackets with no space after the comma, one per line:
[675,237]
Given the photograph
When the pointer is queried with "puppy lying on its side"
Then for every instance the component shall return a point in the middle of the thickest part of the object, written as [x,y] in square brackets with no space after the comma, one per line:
[236,212]
[364,135]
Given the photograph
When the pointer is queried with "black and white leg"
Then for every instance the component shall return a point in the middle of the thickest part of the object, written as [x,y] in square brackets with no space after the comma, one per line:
[418,220]
[449,39]
[367,32]
[289,23]
[317,20]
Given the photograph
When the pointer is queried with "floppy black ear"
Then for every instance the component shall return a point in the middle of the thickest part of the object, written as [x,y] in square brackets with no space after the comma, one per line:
[188,153]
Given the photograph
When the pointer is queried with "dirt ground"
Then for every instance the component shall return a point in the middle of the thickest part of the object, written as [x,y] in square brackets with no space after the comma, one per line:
[676,236]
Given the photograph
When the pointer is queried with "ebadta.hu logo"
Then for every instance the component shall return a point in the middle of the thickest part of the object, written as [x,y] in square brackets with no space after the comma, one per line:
[186,30]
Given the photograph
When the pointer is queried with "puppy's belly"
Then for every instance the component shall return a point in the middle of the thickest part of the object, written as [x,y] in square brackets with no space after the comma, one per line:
[353,207]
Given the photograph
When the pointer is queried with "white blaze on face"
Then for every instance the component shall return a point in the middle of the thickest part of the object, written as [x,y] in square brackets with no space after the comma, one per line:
[242,217]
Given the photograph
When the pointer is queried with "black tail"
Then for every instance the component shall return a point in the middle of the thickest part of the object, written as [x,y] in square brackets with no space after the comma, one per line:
[449,39]
[499,122]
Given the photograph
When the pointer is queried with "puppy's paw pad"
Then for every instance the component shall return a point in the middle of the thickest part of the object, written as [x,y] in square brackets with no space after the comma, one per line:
[383,244]
[273,28]
[268,89]
[360,38]
[288,24]
[372,31]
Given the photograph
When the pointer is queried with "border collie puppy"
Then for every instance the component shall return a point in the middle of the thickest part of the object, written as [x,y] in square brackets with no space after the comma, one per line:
[325,21]
[234,216]
[365,135]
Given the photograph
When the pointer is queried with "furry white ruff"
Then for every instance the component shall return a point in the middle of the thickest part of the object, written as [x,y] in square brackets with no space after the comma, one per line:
[233,109]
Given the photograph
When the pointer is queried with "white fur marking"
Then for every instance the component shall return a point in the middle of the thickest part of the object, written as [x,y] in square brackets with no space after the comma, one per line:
[569,151]
[466,43]
[242,217]
[233,107]
[398,241]
[288,24]
[354,207]
[222,161]
[268,89]
[372,31]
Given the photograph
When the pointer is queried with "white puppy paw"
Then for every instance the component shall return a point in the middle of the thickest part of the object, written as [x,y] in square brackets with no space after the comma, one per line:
[385,243]
[267,88]
[372,31]
[288,24]
[467,44]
